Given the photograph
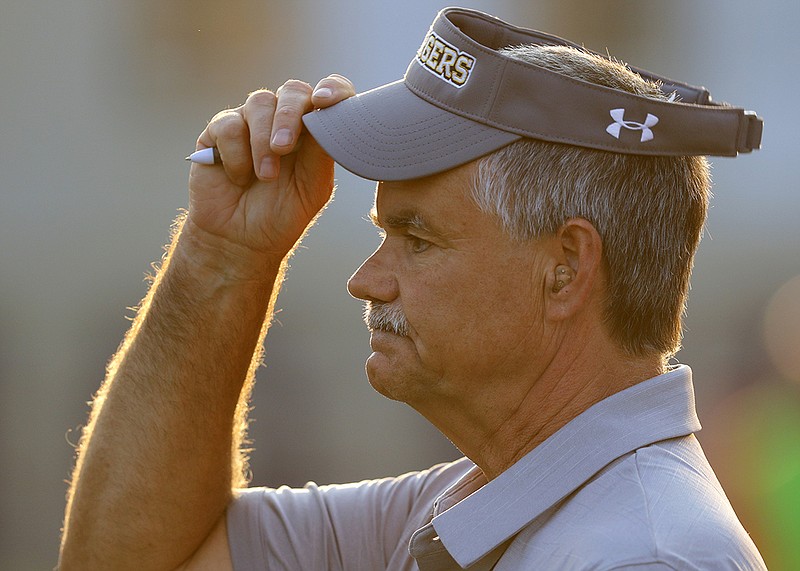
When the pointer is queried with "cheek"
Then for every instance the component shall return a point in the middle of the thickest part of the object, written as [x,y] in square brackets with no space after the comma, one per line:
[473,327]
[449,324]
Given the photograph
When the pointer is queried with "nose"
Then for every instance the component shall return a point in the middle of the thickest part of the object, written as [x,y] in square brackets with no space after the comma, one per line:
[373,281]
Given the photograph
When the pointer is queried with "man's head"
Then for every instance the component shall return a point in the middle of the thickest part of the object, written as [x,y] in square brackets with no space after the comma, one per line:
[559,133]
[474,259]
[648,211]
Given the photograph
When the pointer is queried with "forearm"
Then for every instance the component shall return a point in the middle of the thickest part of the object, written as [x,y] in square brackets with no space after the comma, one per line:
[159,457]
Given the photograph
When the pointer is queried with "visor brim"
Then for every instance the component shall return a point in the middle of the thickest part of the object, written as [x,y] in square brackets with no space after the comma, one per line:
[389,133]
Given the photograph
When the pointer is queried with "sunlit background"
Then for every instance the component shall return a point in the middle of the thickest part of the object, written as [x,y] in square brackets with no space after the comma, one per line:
[100,102]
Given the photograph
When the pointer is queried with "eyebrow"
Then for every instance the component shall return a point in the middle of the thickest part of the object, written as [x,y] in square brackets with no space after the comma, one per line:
[410,219]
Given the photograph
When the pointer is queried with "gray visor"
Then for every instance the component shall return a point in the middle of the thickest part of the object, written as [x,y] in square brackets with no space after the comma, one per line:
[461,99]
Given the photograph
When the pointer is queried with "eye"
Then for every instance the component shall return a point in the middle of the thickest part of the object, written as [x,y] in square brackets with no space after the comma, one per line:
[417,244]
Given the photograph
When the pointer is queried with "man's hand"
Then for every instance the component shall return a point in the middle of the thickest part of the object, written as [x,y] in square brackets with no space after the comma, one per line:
[275,178]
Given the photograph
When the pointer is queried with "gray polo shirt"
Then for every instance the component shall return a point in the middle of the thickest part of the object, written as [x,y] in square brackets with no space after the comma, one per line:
[625,485]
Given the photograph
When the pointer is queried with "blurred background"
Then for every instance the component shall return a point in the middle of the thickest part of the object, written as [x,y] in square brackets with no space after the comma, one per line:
[100,102]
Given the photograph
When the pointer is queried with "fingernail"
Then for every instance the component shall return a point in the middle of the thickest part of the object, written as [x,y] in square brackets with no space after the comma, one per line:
[267,170]
[323,93]
[282,138]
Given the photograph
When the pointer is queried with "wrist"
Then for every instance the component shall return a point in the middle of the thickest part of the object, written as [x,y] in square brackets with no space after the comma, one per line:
[223,260]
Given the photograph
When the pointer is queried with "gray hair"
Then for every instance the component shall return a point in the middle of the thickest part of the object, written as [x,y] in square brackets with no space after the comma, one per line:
[648,210]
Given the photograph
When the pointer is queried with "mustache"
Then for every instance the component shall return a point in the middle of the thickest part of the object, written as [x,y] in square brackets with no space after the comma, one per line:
[385,317]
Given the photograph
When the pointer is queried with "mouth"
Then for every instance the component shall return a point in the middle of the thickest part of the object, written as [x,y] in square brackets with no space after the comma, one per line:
[383,339]
[397,332]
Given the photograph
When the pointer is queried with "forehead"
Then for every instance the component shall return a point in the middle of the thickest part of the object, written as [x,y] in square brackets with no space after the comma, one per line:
[444,197]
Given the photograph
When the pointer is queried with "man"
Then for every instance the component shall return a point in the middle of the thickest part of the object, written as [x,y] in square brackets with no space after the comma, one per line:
[540,207]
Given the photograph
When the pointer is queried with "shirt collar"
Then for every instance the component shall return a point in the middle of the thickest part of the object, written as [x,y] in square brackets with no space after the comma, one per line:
[471,523]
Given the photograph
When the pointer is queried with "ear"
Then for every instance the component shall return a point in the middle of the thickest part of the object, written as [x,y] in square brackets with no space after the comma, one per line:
[574,274]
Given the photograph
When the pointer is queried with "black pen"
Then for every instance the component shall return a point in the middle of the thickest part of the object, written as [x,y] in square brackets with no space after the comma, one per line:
[209,156]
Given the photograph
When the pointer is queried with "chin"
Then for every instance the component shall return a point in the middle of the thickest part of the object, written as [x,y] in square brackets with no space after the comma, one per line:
[381,376]
[387,391]
[393,381]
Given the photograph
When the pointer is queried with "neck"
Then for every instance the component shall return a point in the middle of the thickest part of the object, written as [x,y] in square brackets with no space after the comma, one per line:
[552,402]
[518,420]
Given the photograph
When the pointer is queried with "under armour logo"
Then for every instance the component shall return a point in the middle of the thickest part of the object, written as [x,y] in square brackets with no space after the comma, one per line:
[619,122]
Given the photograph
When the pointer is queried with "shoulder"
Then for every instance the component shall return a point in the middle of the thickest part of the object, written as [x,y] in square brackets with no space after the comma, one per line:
[659,507]
[689,516]
[397,493]
[339,526]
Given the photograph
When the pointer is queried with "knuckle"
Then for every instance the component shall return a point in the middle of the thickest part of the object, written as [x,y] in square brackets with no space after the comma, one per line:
[259,140]
[295,85]
[223,115]
[261,98]
[338,78]
[288,110]
[230,126]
